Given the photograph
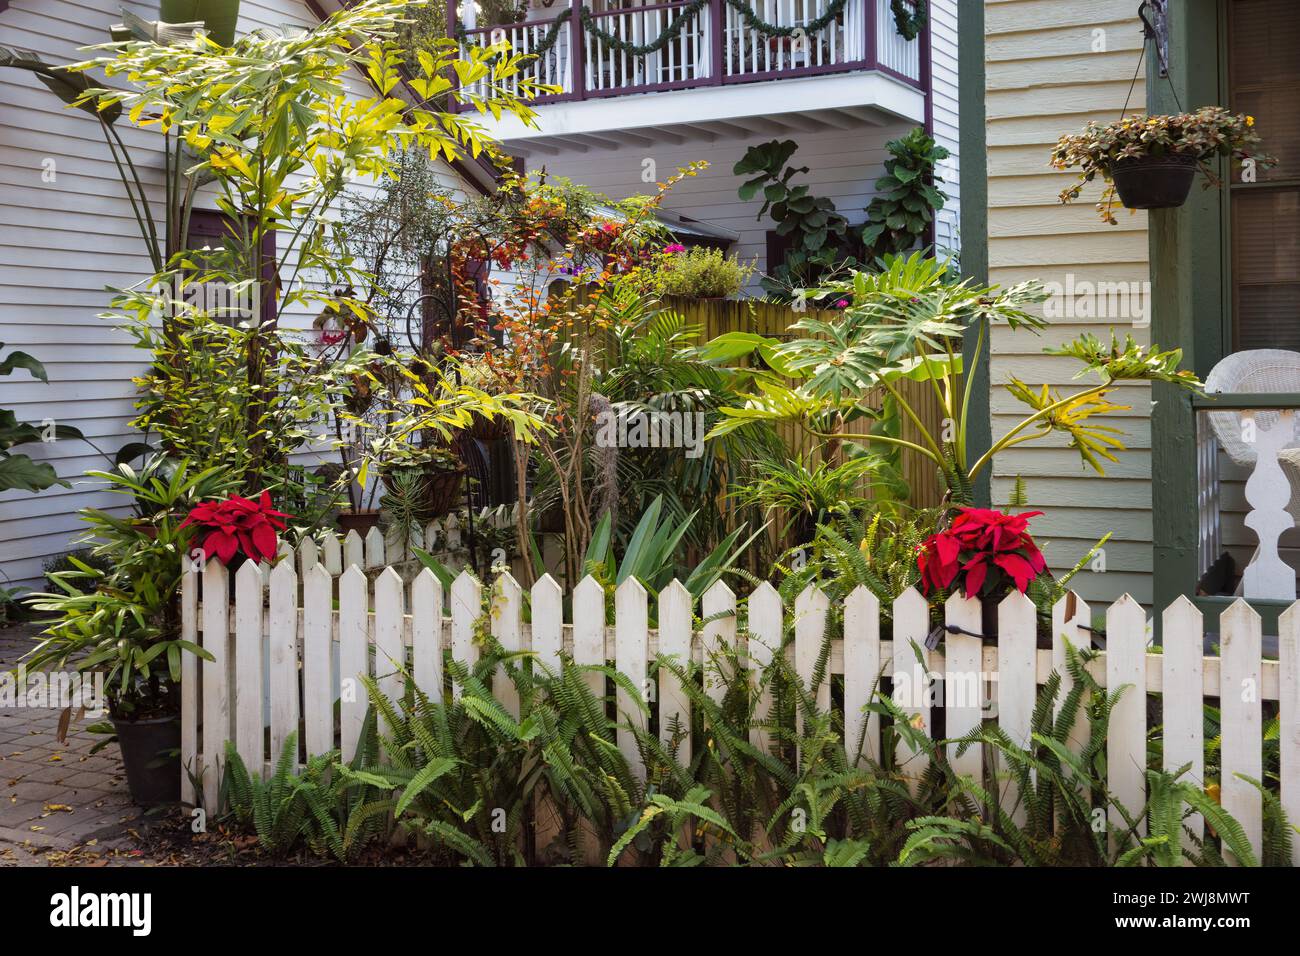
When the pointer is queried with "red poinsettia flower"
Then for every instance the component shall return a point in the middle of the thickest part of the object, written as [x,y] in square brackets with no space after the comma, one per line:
[990,551]
[238,526]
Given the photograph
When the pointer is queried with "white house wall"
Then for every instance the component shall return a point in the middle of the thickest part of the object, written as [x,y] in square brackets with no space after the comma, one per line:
[61,244]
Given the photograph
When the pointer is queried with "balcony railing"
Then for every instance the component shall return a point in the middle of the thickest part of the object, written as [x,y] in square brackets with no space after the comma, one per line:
[1248,493]
[685,43]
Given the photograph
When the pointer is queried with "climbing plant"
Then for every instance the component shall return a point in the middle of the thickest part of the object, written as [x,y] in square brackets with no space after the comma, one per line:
[819,236]
[906,197]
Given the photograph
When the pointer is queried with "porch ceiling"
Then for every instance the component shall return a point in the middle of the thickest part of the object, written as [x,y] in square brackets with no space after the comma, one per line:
[776,108]
[709,131]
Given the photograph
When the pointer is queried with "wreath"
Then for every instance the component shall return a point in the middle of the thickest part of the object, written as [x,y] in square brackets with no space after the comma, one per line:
[909,20]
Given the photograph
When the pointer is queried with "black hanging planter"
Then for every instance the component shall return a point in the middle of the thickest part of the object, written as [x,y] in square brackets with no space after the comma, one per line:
[1154,182]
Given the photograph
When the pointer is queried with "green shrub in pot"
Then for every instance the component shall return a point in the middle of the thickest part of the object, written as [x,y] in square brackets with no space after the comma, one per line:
[124,622]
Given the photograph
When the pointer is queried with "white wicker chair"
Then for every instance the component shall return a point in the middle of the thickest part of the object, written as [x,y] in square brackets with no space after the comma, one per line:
[1257,370]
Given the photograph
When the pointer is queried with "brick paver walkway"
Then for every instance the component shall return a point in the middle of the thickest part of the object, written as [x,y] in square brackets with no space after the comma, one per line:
[54,796]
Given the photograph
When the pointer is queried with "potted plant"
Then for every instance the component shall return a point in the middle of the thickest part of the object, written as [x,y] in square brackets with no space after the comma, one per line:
[440,476]
[984,553]
[124,622]
[1148,162]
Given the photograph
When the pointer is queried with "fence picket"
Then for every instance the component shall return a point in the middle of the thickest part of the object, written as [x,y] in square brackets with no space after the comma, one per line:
[354,550]
[675,641]
[912,676]
[1241,719]
[375,549]
[282,678]
[1126,745]
[1017,687]
[589,630]
[426,634]
[766,632]
[1182,706]
[354,656]
[718,637]
[215,678]
[331,554]
[861,672]
[466,608]
[308,557]
[189,680]
[1069,617]
[390,651]
[548,621]
[507,628]
[247,685]
[631,650]
[810,609]
[318,693]
[1288,692]
[963,686]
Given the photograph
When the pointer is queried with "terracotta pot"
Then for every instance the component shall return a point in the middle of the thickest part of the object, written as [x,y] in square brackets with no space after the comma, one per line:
[1154,182]
[359,521]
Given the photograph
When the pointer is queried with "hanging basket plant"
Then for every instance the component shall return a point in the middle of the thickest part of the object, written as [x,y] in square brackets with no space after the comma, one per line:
[1148,162]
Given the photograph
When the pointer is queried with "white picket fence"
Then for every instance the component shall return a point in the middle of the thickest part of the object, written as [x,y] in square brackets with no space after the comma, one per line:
[313,651]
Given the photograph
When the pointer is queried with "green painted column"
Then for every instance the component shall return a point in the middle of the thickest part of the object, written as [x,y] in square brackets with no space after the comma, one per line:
[1187,277]
[974,220]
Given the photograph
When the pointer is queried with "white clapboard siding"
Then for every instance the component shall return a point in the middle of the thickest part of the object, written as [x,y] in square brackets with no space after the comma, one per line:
[403,625]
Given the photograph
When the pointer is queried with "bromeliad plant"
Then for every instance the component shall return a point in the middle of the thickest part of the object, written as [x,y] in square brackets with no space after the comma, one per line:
[909,322]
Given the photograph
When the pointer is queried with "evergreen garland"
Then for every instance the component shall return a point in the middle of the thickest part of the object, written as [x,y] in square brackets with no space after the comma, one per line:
[670,33]
[758,24]
[909,22]
[544,45]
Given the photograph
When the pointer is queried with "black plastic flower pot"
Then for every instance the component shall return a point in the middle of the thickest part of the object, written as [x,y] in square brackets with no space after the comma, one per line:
[1154,182]
[151,756]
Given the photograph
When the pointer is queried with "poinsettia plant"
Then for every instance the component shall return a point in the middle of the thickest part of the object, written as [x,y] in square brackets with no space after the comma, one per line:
[238,526]
[984,552]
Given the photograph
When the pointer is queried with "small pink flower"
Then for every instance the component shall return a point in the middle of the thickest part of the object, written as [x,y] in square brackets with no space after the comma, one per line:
[842,304]
[674,248]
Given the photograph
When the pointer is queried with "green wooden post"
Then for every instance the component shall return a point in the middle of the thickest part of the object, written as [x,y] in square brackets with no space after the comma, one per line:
[1187,254]
[974,221]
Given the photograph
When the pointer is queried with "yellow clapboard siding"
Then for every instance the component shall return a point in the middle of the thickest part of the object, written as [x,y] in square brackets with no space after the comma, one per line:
[1043,80]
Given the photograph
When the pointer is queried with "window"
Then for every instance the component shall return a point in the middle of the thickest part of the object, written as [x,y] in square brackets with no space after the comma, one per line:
[1264,82]
[212,229]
